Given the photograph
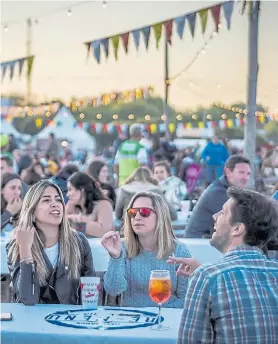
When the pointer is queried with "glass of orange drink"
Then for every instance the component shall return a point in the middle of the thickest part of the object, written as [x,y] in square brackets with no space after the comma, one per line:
[160,292]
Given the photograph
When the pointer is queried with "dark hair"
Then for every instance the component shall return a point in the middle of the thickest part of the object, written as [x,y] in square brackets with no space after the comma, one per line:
[236,159]
[94,169]
[258,213]
[52,135]
[32,177]
[93,193]
[165,164]
[8,160]
[67,171]
[7,177]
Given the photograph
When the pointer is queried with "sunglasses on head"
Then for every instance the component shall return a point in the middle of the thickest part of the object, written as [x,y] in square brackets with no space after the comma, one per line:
[144,212]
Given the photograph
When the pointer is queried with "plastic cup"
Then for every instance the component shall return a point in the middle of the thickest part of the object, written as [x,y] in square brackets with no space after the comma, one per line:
[90,288]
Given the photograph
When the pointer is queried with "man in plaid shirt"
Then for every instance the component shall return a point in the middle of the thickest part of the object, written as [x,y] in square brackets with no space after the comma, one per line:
[235,300]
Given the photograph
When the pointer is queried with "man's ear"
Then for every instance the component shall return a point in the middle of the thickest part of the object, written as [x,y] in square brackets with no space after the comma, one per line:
[239,230]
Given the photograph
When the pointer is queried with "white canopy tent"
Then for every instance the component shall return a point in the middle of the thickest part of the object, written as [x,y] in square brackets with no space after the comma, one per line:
[78,137]
[7,128]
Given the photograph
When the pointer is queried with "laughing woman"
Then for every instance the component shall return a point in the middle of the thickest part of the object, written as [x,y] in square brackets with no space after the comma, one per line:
[149,240]
[46,258]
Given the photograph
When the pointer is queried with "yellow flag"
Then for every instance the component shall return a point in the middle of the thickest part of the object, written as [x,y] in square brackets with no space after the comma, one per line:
[38,122]
[172,127]
[153,128]
[157,28]
[201,125]
[230,123]
[204,18]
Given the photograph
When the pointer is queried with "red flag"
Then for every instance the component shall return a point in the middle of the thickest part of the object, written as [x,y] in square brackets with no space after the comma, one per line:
[214,124]
[125,39]
[169,30]
[242,121]
[48,121]
[93,127]
[226,123]
[215,11]
[104,128]
[80,124]
[148,127]
[119,129]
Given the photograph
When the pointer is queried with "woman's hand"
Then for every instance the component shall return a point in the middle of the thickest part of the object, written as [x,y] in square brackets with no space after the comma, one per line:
[187,265]
[25,238]
[111,241]
[14,206]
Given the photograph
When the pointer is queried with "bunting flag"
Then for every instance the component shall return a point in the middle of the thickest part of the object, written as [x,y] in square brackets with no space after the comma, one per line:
[105,45]
[215,12]
[180,23]
[146,33]
[191,18]
[38,110]
[12,65]
[204,19]
[168,27]
[169,30]
[125,39]
[38,122]
[96,50]
[228,10]
[136,37]
[115,43]
[157,28]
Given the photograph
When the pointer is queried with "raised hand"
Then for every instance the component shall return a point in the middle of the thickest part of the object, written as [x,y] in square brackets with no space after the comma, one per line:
[186,267]
[14,206]
[111,241]
[25,238]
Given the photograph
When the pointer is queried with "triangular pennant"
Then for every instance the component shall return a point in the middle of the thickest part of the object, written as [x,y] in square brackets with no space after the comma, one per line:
[115,42]
[215,11]
[204,18]
[96,50]
[21,64]
[12,66]
[30,61]
[228,10]
[169,30]
[93,127]
[192,21]
[4,67]
[180,23]
[146,33]
[136,37]
[88,46]
[105,44]
[157,28]
[125,39]
[104,128]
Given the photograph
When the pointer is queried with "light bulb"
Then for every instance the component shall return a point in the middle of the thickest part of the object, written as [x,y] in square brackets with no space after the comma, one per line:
[69,12]
[104,4]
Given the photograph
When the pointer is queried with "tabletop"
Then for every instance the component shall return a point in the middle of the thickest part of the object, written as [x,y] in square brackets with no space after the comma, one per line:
[69,324]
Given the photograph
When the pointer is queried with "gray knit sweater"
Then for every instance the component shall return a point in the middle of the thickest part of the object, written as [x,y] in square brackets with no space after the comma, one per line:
[130,277]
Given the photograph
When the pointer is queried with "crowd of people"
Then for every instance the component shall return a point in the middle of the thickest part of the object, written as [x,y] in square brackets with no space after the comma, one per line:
[49,210]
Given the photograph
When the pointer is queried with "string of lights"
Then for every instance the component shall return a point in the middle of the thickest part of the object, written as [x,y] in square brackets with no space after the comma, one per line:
[65,9]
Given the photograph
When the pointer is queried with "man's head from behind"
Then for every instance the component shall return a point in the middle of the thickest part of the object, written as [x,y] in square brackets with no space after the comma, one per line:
[237,170]
[135,131]
[246,218]
[6,165]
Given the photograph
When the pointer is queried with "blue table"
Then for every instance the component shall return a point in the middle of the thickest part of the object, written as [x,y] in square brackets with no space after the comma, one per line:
[30,327]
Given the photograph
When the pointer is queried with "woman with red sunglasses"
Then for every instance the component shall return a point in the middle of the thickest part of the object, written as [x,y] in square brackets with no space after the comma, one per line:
[149,241]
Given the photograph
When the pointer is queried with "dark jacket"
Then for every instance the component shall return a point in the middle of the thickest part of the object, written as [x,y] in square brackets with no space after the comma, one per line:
[211,201]
[25,282]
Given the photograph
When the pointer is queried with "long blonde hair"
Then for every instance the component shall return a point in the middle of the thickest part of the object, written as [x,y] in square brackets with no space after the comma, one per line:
[69,242]
[143,175]
[163,234]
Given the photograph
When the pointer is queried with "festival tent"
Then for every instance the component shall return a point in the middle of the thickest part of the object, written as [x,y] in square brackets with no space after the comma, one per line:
[7,128]
[64,128]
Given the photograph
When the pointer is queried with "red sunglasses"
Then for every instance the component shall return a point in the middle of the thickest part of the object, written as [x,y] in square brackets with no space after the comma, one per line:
[144,212]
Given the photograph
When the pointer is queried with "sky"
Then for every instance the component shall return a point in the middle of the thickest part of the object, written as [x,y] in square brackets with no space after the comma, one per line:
[61,69]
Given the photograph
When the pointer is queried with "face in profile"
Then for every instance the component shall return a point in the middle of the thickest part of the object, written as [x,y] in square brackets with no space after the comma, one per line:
[144,218]
[240,175]
[49,210]
[160,173]
[103,174]
[74,195]
[12,190]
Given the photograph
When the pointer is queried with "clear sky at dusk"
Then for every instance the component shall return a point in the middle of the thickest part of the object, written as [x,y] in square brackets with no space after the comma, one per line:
[60,67]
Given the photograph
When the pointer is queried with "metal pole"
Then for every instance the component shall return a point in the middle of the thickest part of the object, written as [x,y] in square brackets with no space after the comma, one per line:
[253,67]
[28,53]
[166,84]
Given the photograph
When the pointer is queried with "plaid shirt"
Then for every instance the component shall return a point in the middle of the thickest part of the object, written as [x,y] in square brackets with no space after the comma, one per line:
[233,301]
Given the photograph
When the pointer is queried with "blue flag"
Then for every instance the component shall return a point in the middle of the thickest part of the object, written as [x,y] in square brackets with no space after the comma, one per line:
[146,33]
[228,10]
[96,50]
[136,37]
[180,22]
[192,21]
[105,43]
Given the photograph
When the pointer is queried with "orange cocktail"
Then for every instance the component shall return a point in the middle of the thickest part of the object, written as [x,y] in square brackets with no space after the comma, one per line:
[160,289]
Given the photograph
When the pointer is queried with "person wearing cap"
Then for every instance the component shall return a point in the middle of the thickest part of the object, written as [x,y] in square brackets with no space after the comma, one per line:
[130,155]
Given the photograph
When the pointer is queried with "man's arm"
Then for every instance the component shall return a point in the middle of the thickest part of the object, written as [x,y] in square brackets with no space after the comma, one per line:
[195,326]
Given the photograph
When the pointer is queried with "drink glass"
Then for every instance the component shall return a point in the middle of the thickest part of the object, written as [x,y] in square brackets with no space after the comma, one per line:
[160,292]
[90,288]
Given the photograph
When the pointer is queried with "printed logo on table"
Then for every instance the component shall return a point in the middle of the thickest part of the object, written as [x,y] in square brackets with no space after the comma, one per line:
[103,319]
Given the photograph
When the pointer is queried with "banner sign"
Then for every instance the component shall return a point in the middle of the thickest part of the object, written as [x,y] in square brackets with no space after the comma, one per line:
[103,319]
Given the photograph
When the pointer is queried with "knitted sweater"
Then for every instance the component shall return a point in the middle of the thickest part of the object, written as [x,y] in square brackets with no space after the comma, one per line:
[130,277]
